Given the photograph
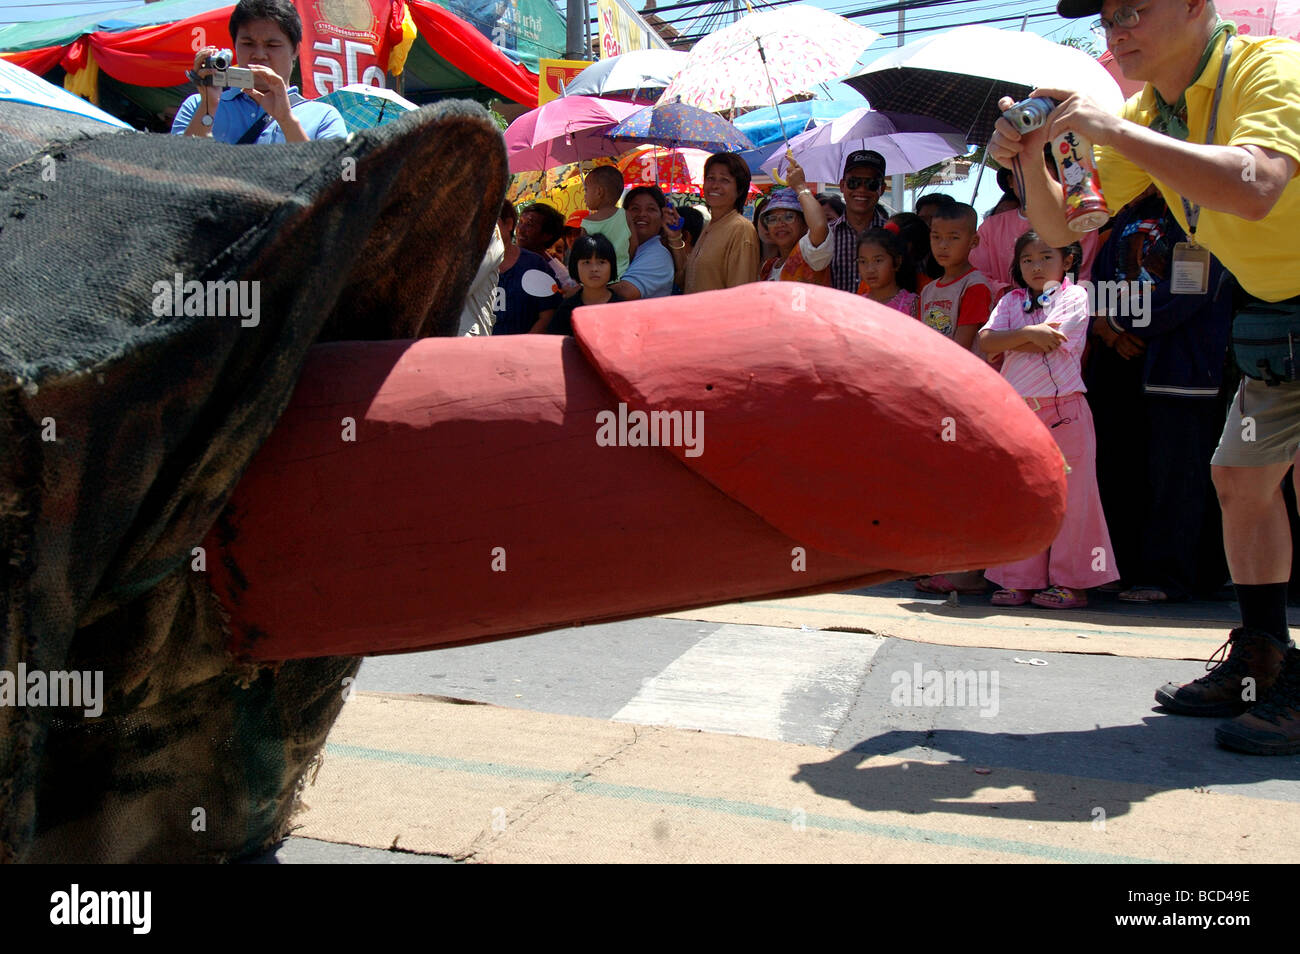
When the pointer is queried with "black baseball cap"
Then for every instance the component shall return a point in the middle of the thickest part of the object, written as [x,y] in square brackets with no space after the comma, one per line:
[1073,9]
[864,157]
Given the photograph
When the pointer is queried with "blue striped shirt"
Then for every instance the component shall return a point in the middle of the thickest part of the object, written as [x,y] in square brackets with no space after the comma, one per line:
[236,113]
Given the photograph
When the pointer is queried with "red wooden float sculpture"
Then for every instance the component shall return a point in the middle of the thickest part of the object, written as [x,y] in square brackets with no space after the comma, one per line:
[816,448]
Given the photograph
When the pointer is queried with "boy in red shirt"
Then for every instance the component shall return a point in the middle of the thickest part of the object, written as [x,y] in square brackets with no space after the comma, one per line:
[958,303]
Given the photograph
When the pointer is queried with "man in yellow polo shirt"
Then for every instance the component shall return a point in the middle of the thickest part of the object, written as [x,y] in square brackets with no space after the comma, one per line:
[1222,144]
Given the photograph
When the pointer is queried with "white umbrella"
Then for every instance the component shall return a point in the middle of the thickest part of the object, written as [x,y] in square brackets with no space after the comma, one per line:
[906,143]
[767,57]
[959,75]
[628,72]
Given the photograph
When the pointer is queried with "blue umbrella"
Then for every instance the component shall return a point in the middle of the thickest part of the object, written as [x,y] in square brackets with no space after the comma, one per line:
[677,125]
[365,106]
[763,126]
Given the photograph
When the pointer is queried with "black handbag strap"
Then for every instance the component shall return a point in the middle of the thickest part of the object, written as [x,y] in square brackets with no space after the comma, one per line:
[250,135]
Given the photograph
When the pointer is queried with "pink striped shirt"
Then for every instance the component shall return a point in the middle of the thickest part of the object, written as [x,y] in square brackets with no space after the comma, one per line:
[1045,375]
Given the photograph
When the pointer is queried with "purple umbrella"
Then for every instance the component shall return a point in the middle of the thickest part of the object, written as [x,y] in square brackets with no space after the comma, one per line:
[565,130]
[907,143]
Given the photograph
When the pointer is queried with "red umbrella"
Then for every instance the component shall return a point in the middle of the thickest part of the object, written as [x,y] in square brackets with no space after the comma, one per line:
[672,170]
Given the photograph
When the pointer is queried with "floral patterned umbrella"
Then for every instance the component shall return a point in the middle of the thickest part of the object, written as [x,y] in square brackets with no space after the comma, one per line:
[767,57]
[676,125]
[1263,17]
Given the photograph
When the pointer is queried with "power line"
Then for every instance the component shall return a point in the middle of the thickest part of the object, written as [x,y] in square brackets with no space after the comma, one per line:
[909,31]
[894,7]
[80,3]
[881,9]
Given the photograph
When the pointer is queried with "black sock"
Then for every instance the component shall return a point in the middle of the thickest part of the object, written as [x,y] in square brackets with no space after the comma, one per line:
[1263,607]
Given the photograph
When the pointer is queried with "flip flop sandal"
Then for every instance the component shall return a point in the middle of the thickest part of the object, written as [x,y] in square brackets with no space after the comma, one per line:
[1138,595]
[942,586]
[1059,597]
[1007,597]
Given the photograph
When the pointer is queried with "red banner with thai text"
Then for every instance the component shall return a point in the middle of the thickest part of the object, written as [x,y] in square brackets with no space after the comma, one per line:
[346,42]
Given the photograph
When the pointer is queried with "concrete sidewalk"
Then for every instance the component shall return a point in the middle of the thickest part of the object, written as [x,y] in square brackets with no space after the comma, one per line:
[817,746]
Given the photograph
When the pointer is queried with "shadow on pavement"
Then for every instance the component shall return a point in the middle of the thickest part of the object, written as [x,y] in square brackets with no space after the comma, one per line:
[1111,768]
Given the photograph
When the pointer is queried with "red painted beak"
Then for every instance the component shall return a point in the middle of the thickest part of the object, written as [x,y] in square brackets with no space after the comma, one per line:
[495,487]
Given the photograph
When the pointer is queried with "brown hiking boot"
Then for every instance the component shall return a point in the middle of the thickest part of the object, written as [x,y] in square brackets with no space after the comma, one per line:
[1224,691]
[1272,726]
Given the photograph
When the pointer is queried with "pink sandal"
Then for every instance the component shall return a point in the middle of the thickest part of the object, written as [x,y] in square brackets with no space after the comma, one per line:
[1008,597]
[942,586]
[1060,597]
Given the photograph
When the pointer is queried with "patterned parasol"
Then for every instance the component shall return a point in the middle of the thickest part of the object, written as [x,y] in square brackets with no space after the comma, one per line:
[767,57]
[678,125]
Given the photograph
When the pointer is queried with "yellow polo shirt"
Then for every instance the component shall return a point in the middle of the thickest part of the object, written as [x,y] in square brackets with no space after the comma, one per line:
[1260,107]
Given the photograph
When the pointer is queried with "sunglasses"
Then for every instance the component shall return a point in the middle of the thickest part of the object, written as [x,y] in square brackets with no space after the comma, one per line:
[857,182]
[785,216]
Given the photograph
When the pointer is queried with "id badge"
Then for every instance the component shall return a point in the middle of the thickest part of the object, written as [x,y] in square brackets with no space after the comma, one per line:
[1189,273]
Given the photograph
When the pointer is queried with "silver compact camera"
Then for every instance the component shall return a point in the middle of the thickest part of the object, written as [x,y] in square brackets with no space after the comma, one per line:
[224,74]
[1029,114]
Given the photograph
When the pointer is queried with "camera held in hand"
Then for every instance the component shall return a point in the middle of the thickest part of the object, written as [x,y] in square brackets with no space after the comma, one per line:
[1029,114]
[1085,206]
[224,74]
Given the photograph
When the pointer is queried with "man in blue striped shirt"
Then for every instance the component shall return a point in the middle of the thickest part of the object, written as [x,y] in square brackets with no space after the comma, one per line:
[266,34]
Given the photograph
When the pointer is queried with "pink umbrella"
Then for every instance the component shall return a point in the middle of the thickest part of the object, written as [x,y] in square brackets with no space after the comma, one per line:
[565,130]
[1263,17]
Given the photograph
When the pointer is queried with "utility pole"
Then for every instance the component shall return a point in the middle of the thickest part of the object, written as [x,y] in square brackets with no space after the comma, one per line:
[896,197]
[575,38]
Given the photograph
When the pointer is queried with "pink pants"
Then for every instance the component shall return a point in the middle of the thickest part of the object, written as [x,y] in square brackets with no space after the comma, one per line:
[1080,557]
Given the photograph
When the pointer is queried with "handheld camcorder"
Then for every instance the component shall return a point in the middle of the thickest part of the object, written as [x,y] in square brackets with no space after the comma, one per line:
[1085,206]
[224,74]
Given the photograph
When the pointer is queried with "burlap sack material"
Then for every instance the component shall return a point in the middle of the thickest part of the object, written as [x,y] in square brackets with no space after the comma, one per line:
[194,758]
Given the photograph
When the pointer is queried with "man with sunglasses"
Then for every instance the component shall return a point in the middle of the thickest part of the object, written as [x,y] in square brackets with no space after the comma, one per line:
[1217,130]
[862,184]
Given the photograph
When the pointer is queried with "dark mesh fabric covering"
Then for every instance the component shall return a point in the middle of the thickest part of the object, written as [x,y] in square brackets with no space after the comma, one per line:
[153,420]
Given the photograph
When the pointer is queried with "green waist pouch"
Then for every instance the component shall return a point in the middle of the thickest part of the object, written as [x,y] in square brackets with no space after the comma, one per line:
[1266,340]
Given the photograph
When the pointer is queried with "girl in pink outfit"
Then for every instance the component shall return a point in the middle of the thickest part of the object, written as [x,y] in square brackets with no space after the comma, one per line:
[1042,326]
[887,273]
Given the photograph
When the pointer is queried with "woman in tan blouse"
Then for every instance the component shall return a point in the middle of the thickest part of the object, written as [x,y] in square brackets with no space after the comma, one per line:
[726,254]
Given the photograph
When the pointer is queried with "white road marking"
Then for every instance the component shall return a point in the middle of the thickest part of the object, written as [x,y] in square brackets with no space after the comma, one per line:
[762,681]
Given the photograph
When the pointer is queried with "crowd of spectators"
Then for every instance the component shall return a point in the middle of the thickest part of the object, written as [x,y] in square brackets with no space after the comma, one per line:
[1135,406]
